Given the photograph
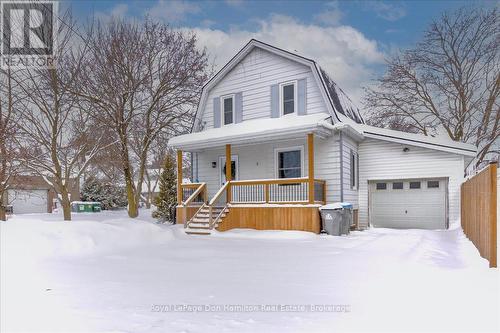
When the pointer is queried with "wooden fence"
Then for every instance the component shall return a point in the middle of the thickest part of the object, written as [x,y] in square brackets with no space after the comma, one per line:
[479,212]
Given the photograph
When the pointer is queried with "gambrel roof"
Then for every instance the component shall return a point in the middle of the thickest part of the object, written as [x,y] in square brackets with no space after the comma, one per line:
[339,105]
[342,113]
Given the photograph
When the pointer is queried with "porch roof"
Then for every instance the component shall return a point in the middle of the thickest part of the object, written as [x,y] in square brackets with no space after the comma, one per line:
[255,131]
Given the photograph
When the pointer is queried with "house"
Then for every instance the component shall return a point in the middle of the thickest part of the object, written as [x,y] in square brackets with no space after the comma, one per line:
[274,138]
[31,194]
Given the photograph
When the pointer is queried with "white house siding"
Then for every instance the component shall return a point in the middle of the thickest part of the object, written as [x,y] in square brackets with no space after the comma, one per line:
[350,194]
[253,76]
[386,160]
[258,162]
[255,162]
[327,165]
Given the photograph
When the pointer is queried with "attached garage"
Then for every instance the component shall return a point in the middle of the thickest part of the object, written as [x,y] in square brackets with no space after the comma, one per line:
[409,203]
[28,201]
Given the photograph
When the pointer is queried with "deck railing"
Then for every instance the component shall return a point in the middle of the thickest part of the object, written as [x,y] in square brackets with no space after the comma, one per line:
[276,191]
[262,191]
[196,200]
[190,188]
[320,191]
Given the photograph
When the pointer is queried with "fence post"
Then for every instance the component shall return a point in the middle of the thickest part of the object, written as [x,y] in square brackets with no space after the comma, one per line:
[493,215]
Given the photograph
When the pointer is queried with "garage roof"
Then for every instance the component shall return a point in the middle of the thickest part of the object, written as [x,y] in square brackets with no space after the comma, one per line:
[437,143]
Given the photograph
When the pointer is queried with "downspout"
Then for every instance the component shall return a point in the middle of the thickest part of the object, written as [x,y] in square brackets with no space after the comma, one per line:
[340,128]
[341,154]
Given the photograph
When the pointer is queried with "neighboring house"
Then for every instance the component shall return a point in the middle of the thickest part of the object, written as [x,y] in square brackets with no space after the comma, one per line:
[295,141]
[31,194]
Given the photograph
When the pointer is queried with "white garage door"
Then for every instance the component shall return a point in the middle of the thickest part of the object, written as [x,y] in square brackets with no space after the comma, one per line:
[404,204]
[28,201]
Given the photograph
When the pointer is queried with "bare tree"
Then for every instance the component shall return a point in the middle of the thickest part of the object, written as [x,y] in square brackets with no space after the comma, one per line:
[58,135]
[144,80]
[10,103]
[158,152]
[450,81]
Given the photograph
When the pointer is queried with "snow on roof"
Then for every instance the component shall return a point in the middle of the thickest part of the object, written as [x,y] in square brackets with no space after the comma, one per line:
[343,104]
[443,143]
[255,130]
[339,103]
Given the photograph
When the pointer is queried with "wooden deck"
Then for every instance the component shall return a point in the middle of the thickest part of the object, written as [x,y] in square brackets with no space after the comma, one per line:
[262,204]
[272,204]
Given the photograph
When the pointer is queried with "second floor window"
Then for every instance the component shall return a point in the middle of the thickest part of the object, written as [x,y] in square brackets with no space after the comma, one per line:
[288,98]
[228,110]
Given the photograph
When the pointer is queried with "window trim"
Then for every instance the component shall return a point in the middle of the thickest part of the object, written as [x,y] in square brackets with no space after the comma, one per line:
[398,182]
[295,95]
[433,187]
[285,149]
[353,171]
[222,99]
[415,182]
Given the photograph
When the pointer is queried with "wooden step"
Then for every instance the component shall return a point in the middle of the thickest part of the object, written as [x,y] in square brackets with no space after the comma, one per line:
[207,215]
[200,223]
[197,219]
[197,232]
[214,212]
[199,227]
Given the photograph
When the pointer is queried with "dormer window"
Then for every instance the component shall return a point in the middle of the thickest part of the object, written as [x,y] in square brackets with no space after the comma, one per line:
[227,109]
[288,98]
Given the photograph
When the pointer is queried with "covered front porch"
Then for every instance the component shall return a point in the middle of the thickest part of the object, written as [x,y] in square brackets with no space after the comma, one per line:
[260,183]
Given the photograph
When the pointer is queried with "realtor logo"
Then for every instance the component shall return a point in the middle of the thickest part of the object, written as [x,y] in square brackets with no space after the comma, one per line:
[28,33]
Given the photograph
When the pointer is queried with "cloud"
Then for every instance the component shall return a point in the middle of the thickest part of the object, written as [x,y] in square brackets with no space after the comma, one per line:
[330,16]
[388,11]
[118,11]
[173,11]
[344,52]
[234,3]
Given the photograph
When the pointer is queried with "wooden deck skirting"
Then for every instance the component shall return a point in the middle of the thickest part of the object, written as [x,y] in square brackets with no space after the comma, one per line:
[302,218]
[479,212]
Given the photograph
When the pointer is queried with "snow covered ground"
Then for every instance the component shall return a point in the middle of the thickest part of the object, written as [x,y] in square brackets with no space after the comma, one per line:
[107,273]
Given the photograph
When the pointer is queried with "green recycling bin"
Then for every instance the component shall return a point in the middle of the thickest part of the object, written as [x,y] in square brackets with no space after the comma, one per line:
[85,207]
[96,207]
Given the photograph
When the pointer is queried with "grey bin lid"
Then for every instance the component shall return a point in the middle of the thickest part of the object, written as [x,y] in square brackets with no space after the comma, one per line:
[336,205]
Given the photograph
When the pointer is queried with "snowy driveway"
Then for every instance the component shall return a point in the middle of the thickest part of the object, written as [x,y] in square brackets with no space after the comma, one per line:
[115,275]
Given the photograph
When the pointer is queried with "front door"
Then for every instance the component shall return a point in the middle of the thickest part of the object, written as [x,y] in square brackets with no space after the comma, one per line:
[222,168]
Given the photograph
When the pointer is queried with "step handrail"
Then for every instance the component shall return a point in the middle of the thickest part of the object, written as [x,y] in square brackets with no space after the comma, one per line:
[214,221]
[218,194]
[186,225]
[214,200]
[195,194]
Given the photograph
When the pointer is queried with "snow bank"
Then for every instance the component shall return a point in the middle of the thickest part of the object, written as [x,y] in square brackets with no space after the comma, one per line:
[264,234]
[38,236]
[108,273]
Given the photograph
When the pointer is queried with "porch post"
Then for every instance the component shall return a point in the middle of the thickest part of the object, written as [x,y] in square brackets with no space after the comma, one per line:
[310,153]
[179,177]
[228,171]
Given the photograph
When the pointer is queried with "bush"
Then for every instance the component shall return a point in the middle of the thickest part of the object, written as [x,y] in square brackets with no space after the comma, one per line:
[167,198]
[108,194]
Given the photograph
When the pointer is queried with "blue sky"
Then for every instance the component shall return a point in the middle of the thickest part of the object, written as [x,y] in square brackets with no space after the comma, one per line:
[350,39]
